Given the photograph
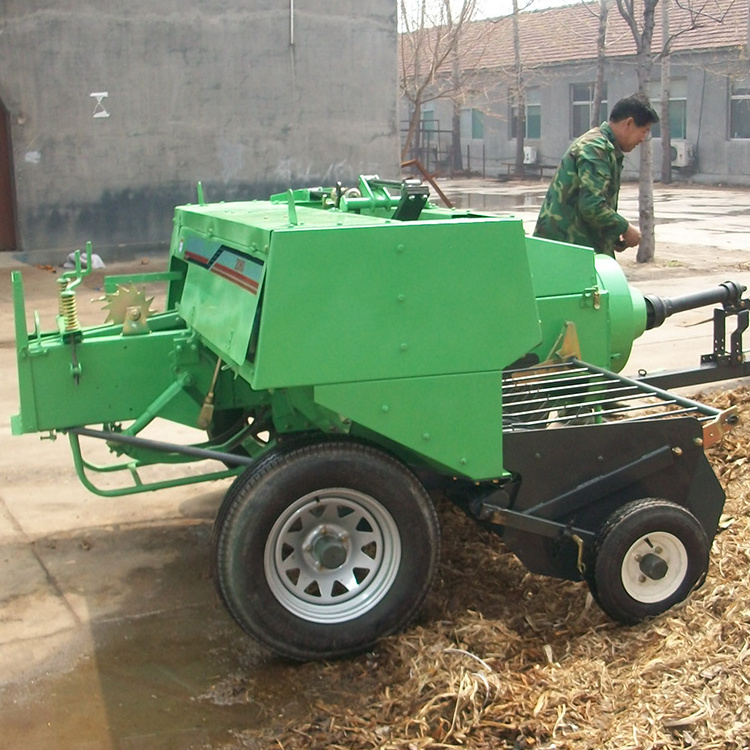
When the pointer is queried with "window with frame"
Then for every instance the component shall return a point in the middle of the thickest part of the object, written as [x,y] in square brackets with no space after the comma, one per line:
[582,102]
[533,115]
[472,124]
[677,108]
[739,109]
[429,123]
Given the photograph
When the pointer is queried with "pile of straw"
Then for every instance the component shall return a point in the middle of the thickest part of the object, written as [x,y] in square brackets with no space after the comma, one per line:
[501,658]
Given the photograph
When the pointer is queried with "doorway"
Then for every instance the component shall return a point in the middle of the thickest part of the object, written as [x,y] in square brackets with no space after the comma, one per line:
[7,193]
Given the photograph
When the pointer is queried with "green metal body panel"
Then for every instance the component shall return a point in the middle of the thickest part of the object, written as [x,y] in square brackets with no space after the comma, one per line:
[573,284]
[627,311]
[394,300]
[451,419]
[305,313]
[110,387]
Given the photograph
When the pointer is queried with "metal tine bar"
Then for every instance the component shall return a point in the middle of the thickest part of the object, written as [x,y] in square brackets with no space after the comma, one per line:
[546,368]
[530,412]
[665,395]
[546,375]
[541,377]
[564,421]
[670,415]
[605,412]
[598,387]
[624,393]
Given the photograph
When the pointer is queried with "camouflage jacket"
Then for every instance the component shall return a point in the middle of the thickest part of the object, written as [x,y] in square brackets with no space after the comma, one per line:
[581,204]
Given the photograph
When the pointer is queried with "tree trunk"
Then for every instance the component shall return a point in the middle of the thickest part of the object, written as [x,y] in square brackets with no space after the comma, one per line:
[520,169]
[645,252]
[646,248]
[601,58]
[456,158]
[414,121]
[666,74]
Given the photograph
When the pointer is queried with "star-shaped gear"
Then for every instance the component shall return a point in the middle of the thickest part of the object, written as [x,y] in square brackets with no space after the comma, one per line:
[117,303]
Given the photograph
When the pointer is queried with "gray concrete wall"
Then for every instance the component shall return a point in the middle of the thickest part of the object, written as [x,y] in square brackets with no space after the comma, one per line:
[249,100]
[718,159]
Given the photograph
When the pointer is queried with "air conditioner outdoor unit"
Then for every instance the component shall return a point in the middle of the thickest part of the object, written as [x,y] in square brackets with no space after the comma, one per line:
[529,155]
[682,154]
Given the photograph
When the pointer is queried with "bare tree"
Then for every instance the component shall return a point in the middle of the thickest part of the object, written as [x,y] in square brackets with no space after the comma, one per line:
[643,31]
[601,58]
[699,13]
[666,80]
[429,42]
[519,94]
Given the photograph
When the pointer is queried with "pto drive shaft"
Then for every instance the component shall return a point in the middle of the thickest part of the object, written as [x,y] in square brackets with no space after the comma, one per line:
[729,294]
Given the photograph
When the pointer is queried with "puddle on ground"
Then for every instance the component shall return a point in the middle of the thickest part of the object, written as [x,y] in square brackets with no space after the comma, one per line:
[166,668]
[497,203]
[177,680]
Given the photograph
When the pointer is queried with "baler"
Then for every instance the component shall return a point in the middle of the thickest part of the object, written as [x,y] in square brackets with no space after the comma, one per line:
[342,351]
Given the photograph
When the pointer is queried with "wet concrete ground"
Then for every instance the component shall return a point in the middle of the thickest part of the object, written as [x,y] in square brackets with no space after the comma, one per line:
[111,635]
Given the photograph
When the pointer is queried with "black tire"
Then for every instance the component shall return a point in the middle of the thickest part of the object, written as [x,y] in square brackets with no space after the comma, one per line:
[241,480]
[650,554]
[324,549]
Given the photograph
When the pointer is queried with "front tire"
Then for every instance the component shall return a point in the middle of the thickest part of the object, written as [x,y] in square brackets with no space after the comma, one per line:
[649,556]
[323,549]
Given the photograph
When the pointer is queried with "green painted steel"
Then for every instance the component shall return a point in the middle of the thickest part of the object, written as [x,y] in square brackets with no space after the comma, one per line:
[451,419]
[627,312]
[394,300]
[318,311]
[573,284]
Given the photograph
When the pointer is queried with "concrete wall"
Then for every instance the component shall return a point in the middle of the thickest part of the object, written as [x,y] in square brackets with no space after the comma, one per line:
[249,100]
[718,159]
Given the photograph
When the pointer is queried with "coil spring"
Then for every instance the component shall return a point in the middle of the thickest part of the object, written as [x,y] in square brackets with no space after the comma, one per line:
[69,310]
[62,285]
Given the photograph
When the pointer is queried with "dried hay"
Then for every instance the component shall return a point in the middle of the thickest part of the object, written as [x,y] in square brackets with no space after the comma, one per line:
[502,658]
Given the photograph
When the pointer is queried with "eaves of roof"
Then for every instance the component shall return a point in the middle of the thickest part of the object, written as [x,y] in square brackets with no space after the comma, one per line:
[569,34]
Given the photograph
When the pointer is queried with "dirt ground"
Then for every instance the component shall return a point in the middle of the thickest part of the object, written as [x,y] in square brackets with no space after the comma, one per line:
[111,635]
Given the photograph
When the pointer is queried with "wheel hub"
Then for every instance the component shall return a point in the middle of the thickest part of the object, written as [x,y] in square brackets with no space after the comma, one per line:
[332,555]
[329,550]
[654,567]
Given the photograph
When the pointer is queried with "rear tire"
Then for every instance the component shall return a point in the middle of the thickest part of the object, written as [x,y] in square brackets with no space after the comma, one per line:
[648,557]
[323,549]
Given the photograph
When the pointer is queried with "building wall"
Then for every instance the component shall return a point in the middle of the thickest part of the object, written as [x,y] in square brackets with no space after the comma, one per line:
[247,100]
[717,157]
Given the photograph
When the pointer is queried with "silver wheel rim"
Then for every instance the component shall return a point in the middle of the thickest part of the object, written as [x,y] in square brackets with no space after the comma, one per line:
[663,547]
[332,555]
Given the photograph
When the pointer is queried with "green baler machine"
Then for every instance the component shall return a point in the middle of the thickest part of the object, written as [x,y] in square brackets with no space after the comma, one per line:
[345,350]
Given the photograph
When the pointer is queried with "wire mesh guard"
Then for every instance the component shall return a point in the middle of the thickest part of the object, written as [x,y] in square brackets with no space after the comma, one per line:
[574,393]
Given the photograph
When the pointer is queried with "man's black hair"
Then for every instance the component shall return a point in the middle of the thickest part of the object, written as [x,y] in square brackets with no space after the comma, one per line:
[636,106]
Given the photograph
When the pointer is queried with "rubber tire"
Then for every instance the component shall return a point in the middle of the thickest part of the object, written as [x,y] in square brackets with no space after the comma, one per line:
[262,496]
[240,481]
[624,528]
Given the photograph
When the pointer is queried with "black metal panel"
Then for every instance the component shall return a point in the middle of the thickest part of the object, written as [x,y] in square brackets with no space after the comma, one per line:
[606,462]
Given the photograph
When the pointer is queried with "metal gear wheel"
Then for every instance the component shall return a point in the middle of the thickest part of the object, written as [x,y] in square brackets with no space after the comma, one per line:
[117,303]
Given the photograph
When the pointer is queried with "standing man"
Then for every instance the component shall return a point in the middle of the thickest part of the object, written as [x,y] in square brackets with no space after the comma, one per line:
[581,204]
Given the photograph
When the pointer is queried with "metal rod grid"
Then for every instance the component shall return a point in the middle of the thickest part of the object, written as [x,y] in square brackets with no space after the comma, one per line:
[573,393]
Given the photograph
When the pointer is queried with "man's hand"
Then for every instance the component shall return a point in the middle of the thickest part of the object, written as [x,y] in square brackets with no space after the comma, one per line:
[629,238]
